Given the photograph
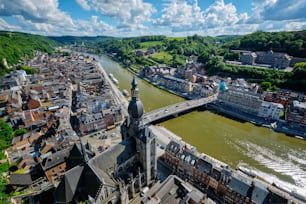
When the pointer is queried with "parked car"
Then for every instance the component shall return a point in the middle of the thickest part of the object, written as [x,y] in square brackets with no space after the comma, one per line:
[103,137]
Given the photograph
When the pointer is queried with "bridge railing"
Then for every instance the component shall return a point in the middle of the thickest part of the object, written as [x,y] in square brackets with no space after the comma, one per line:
[176,108]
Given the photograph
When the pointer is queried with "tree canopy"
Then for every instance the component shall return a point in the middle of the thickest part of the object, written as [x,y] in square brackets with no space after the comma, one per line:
[293,43]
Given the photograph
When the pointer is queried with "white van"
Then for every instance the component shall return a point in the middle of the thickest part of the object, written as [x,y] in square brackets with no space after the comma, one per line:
[144,191]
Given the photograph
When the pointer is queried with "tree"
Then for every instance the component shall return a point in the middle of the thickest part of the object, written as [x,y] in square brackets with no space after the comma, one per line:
[299,70]
[232,56]
[203,58]
[265,85]
[20,132]
[28,69]
[214,65]
[6,134]
[273,88]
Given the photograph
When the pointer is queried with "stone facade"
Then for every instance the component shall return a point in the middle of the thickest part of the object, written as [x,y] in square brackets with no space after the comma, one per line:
[242,100]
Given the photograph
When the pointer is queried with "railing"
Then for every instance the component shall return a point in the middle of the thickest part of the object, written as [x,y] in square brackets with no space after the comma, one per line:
[176,108]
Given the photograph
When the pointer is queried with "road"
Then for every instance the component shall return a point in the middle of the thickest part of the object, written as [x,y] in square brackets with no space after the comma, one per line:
[118,96]
[176,108]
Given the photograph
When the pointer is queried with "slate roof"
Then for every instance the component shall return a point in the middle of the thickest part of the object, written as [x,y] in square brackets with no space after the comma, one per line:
[260,193]
[173,147]
[188,157]
[68,186]
[105,163]
[84,180]
[204,166]
[28,178]
[241,184]
[174,190]
[21,179]
[75,157]
[56,158]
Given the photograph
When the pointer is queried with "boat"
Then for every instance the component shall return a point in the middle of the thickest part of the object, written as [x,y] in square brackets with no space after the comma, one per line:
[266,125]
[299,137]
[111,76]
[274,125]
[125,92]
[115,81]
[247,171]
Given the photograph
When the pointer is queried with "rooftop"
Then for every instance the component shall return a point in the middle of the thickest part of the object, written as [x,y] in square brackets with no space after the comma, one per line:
[174,190]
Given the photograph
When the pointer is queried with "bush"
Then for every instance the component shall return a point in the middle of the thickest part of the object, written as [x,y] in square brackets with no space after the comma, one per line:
[6,134]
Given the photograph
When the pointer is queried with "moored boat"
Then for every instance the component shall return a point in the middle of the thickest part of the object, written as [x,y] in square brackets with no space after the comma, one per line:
[125,92]
[111,76]
[115,80]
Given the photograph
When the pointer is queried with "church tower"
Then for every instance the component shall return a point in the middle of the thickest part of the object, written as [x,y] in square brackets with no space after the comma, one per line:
[135,111]
[145,139]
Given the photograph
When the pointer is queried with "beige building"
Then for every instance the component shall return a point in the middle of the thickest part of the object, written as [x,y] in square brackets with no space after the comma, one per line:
[242,100]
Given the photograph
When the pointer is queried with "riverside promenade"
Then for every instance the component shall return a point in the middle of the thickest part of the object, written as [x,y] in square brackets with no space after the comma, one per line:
[118,96]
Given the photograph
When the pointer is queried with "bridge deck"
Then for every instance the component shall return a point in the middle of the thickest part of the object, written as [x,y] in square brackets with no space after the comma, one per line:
[176,108]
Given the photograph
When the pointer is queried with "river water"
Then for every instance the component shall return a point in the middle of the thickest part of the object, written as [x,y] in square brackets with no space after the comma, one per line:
[269,153]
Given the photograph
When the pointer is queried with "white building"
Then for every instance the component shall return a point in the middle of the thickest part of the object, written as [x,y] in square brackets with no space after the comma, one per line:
[270,110]
[245,101]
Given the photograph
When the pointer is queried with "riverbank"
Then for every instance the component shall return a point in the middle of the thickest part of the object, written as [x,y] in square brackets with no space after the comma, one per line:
[180,94]
[290,129]
[118,96]
[222,137]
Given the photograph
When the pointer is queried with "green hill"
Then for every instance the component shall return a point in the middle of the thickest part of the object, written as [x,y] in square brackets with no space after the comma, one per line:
[14,46]
[69,40]
[293,43]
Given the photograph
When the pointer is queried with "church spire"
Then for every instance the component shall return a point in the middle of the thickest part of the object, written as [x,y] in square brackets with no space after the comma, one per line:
[134,83]
[135,108]
[134,89]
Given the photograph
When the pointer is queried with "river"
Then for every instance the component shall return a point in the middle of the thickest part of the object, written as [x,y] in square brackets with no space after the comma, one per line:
[269,153]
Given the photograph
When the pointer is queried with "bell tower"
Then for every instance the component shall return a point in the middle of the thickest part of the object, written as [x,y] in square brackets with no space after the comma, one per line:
[135,110]
[144,138]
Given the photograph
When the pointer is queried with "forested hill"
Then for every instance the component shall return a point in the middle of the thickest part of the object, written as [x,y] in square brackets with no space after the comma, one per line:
[68,40]
[14,46]
[293,43]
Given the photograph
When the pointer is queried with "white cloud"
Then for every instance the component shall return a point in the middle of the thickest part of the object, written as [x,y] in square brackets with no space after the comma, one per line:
[93,27]
[83,4]
[36,17]
[180,15]
[134,17]
[258,8]
[47,19]
[220,14]
[285,10]
[278,10]
[131,14]
[183,15]
[295,26]
[35,11]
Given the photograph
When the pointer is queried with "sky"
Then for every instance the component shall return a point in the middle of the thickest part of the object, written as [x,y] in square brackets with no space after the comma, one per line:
[126,18]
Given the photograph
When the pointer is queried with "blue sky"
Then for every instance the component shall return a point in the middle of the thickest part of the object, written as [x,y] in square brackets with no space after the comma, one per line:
[124,18]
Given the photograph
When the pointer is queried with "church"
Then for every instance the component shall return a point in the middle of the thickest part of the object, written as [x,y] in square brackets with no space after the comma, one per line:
[117,174]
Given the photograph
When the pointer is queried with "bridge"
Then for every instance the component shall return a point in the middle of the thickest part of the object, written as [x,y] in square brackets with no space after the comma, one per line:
[175,109]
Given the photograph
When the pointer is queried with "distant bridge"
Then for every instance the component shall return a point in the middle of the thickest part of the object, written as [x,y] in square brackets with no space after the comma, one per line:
[175,109]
